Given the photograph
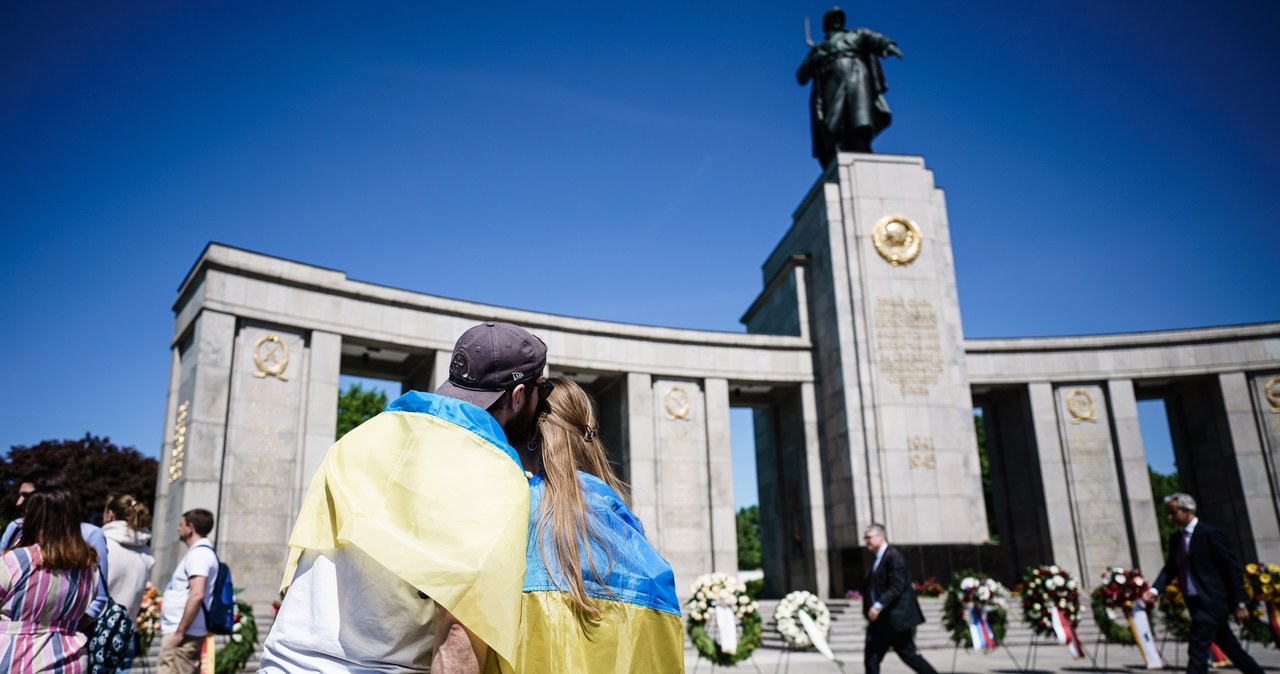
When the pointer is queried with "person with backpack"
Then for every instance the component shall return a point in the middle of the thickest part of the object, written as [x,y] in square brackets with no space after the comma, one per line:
[187,596]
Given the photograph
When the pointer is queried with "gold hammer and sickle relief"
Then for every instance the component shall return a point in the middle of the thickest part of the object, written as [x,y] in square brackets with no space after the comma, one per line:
[271,356]
[1080,405]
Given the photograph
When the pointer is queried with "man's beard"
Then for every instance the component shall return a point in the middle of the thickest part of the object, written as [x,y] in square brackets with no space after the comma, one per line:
[520,428]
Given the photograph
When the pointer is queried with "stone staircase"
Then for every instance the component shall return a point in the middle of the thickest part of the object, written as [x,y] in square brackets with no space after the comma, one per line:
[147,662]
[849,627]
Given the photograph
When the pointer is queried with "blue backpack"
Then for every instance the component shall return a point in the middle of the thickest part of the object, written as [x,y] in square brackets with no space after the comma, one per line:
[220,615]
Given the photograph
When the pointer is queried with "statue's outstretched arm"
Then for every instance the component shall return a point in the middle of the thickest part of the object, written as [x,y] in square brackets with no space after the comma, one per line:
[892,50]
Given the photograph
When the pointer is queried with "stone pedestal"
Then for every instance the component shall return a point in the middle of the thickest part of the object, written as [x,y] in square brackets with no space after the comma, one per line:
[896,417]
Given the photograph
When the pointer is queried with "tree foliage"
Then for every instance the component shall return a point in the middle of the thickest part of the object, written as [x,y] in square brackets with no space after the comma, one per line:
[95,466]
[1163,485]
[984,463]
[748,520]
[357,405]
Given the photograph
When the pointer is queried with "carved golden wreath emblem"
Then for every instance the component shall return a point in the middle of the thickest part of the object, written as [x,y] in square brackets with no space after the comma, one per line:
[677,403]
[1272,391]
[1080,405]
[897,239]
[271,356]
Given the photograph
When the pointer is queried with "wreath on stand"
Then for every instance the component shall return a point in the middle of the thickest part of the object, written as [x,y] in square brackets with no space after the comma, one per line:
[235,654]
[1262,582]
[1046,587]
[969,590]
[1112,600]
[786,617]
[1173,612]
[710,592]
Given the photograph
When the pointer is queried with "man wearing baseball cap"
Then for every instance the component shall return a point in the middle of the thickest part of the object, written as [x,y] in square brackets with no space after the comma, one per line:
[413,532]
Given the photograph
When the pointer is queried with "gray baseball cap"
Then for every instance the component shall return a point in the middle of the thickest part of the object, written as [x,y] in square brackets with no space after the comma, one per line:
[491,359]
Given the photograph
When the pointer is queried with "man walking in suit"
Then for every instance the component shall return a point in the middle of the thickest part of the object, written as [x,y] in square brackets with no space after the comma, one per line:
[1201,560]
[889,602]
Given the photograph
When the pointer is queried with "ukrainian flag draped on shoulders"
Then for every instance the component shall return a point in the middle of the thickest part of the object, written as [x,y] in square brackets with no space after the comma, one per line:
[431,490]
[641,628]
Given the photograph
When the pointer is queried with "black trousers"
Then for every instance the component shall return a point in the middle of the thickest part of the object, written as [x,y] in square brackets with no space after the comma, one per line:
[1205,628]
[881,637]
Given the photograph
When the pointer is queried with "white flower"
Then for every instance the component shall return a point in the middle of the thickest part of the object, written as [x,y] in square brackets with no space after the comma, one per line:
[237,638]
[1054,569]
[1120,578]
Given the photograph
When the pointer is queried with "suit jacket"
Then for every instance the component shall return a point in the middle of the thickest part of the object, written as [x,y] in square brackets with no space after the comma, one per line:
[1213,568]
[890,584]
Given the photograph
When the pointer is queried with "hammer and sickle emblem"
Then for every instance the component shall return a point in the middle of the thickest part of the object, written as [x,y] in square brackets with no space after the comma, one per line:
[271,356]
[677,403]
[1080,405]
[1272,392]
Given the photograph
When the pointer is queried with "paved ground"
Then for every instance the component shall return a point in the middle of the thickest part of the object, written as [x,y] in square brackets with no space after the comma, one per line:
[1047,659]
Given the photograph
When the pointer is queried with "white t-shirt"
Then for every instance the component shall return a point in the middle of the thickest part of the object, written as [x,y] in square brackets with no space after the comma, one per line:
[200,560]
[345,612]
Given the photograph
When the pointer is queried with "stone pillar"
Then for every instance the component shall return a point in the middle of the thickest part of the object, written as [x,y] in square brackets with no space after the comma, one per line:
[724,530]
[1093,481]
[321,408]
[642,464]
[684,519]
[267,446]
[160,521]
[439,370]
[1053,473]
[193,455]
[1257,488]
[1136,480]
[815,487]
[1266,395]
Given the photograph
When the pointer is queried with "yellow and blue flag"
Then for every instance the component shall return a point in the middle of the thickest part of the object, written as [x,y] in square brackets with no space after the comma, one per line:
[640,631]
[431,490]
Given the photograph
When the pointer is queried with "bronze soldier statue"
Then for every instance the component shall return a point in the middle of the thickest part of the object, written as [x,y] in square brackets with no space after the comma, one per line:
[846,106]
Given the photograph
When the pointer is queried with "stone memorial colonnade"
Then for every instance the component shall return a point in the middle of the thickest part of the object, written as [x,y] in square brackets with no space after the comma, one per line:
[1069,468]
[259,344]
[854,363]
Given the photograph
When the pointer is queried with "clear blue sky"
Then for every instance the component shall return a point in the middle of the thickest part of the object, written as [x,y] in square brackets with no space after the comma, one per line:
[1108,166]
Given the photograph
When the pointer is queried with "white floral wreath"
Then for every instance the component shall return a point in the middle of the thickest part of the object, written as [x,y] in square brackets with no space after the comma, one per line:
[787,621]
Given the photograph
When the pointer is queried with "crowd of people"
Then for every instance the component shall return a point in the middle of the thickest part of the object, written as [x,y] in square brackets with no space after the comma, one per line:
[62,578]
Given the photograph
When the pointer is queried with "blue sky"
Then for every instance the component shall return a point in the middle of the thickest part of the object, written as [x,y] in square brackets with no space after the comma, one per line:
[1109,167]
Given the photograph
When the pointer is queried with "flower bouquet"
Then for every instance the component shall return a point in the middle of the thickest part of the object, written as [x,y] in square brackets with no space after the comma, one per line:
[148,618]
[930,588]
[723,622]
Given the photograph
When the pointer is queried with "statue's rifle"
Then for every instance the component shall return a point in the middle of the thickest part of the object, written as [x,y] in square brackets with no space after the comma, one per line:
[808,38]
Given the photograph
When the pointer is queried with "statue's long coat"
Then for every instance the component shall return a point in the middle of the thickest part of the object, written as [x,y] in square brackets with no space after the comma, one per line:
[848,87]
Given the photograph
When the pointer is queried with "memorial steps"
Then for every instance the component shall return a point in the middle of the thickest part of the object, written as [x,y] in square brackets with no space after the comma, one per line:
[147,662]
[849,628]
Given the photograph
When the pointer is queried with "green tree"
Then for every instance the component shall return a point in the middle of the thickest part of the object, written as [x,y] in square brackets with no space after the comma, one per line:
[96,468]
[357,405]
[984,463]
[748,520]
[1163,485]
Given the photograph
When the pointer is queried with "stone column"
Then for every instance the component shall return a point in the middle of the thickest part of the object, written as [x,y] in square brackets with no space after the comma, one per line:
[1266,395]
[724,530]
[1256,481]
[815,483]
[1053,473]
[642,466]
[193,460]
[321,408]
[1093,481]
[1132,459]
[267,440]
[160,521]
[684,519]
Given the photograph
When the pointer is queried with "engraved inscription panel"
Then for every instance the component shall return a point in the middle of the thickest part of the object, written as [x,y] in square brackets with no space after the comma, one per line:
[907,343]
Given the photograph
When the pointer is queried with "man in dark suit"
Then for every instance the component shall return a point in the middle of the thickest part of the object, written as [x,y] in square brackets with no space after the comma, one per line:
[889,602]
[1208,575]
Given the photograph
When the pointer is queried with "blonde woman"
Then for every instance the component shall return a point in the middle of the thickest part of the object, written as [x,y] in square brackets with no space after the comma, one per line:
[126,522]
[597,596]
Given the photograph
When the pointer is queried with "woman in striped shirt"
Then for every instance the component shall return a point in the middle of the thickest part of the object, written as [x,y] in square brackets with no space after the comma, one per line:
[48,576]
